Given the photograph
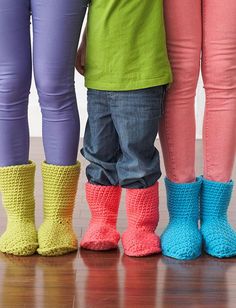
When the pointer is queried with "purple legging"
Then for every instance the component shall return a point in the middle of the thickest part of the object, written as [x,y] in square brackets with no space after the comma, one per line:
[56,30]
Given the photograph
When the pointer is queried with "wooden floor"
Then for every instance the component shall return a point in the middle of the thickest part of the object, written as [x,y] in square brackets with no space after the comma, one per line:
[90,279]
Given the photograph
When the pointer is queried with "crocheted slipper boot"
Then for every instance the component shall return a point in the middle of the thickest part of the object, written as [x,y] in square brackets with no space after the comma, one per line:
[219,237]
[56,235]
[103,203]
[182,239]
[143,215]
[17,187]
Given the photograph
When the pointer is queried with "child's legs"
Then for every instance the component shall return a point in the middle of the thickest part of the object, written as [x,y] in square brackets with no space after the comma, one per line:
[57,28]
[136,116]
[101,149]
[101,143]
[177,130]
[15,79]
[219,74]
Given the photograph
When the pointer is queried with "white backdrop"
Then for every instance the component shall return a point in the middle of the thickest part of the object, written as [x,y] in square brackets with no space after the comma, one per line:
[35,115]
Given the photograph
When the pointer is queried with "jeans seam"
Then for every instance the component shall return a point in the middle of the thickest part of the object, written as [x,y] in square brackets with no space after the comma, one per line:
[204,61]
[170,153]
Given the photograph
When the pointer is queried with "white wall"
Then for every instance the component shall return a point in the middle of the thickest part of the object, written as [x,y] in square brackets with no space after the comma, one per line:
[35,115]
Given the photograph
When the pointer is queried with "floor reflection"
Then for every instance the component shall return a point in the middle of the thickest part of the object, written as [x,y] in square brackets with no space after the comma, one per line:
[140,285]
[17,281]
[199,283]
[56,281]
[113,280]
[214,282]
[102,287]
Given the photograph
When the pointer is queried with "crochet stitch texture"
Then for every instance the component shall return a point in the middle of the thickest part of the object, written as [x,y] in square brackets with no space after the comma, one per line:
[143,215]
[17,188]
[56,235]
[219,237]
[182,239]
[103,202]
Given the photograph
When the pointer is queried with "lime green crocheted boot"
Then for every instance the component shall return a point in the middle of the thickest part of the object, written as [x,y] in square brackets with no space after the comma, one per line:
[56,235]
[17,188]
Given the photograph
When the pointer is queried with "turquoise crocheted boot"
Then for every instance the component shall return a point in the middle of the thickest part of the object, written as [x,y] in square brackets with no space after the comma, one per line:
[182,239]
[219,238]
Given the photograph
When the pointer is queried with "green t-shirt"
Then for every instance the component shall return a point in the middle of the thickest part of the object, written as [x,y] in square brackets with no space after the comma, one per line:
[126,45]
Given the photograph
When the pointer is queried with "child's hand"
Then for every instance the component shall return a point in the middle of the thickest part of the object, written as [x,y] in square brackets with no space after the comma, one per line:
[81,56]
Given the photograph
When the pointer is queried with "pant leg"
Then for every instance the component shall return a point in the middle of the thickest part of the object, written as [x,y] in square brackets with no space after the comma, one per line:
[56,29]
[177,130]
[136,116]
[219,75]
[101,143]
[15,80]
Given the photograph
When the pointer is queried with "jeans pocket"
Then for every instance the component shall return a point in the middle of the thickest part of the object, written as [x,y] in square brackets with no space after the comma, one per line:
[151,101]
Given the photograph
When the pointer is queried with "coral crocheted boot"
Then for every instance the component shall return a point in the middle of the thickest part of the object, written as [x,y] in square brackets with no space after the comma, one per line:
[17,188]
[182,239]
[56,235]
[142,206]
[219,238]
[103,203]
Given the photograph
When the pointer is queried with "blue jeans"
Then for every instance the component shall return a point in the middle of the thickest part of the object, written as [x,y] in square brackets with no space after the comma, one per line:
[120,135]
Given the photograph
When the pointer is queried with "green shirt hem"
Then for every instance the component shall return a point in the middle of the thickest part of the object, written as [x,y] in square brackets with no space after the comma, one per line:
[128,85]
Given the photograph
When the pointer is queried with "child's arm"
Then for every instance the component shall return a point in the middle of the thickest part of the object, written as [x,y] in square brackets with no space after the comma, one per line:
[81,54]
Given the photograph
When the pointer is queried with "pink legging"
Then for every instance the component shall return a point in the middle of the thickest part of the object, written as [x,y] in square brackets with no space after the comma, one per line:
[200,33]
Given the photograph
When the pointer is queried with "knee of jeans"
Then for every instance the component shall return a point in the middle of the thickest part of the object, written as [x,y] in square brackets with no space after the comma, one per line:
[66,111]
[185,75]
[55,91]
[14,93]
[185,58]
[14,84]
[220,75]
